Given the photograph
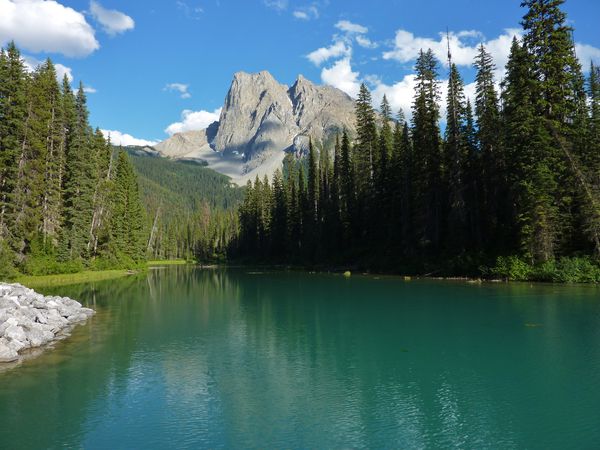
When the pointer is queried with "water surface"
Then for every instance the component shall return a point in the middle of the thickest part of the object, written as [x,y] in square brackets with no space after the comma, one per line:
[187,358]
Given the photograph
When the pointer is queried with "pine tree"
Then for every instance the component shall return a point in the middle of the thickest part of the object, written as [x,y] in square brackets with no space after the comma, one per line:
[366,160]
[558,91]
[427,162]
[592,159]
[456,155]
[473,182]
[80,176]
[55,158]
[494,195]
[279,217]
[532,176]
[13,112]
[347,191]
[382,214]
[311,211]
[127,227]
[366,137]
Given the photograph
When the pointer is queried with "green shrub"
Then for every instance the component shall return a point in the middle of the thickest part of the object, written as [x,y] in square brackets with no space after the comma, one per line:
[511,268]
[7,262]
[563,270]
[573,270]
[48,265]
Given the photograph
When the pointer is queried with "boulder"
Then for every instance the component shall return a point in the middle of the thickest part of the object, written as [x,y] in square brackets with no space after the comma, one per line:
[7,354]
[29,320]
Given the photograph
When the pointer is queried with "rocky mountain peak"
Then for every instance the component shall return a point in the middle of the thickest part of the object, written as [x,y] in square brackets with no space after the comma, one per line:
[261,119]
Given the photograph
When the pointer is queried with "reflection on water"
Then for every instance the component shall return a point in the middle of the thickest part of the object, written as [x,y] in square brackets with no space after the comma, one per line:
[183,357]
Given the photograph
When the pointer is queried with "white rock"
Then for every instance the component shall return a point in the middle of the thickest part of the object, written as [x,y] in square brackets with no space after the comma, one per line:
[28,319]
[7,354]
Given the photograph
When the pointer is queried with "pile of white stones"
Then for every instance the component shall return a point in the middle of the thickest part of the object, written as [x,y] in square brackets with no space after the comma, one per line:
[29,319]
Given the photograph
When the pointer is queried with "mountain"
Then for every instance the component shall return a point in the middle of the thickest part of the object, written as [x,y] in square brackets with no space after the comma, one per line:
[260,121]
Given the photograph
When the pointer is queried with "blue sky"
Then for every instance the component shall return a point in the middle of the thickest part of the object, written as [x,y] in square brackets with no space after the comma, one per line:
[154,67]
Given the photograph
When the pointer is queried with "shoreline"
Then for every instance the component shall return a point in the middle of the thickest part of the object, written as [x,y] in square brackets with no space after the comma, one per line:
[65,279]
[30,321]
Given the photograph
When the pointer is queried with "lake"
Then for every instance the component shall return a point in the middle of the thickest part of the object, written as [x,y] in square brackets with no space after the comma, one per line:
[183,357]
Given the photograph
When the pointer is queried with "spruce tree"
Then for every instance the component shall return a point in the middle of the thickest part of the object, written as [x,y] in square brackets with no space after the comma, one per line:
[13,111]
[494,195]
[80,176]
[455,161]
[127,226]
[427,161]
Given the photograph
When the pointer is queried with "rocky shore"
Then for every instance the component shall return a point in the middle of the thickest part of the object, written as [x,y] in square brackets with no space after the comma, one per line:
[29,320]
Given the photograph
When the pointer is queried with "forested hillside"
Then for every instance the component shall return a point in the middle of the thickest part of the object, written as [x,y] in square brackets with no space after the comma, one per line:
[191,209]
[512,182]
[67,201]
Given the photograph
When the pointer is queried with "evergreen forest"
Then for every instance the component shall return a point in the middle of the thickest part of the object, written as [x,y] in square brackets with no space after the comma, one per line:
[508,187]
[70,201]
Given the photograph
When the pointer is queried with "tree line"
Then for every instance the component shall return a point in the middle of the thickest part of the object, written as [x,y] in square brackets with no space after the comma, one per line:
[68,201]
[191,209]
[512,182]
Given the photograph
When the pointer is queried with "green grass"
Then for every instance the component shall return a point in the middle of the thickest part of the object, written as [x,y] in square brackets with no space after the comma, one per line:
[71,278]
[168,262]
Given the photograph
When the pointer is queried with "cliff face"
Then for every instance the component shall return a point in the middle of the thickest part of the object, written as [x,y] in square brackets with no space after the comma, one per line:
[261,120]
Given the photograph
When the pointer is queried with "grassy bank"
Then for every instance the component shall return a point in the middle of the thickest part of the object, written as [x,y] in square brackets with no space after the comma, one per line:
[72,278]
[169,262]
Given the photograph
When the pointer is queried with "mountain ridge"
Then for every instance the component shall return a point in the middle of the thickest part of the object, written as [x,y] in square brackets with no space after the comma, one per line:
[262,120]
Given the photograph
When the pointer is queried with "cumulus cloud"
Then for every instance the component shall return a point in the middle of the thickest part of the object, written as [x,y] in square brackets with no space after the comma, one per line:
[335,50]
[586,54]
[193,120]
[341,76]
[31,63]
[365,42]
[113,22]
[463,46]
[400,94]
[89,90]
[124,139]
[349,27]
[179,87]
[46,26]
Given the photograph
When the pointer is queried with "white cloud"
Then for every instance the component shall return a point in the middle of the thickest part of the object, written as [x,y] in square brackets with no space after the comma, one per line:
[349,27]
[463,46]
[400,94]
[277,5]
[179,87]
[302,15]
[365,42]
[499,48]
[341,76]
[335,50]
[112,21]
[193,120]
[307,13]
[586,54]
[89,90]
[118,138]
[31,63]
[46,26]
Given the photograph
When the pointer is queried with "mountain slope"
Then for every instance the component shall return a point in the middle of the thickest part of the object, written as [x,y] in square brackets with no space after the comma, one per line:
[262,119]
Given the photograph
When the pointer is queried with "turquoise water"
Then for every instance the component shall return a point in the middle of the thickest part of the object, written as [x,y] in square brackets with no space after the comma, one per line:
[189,358]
